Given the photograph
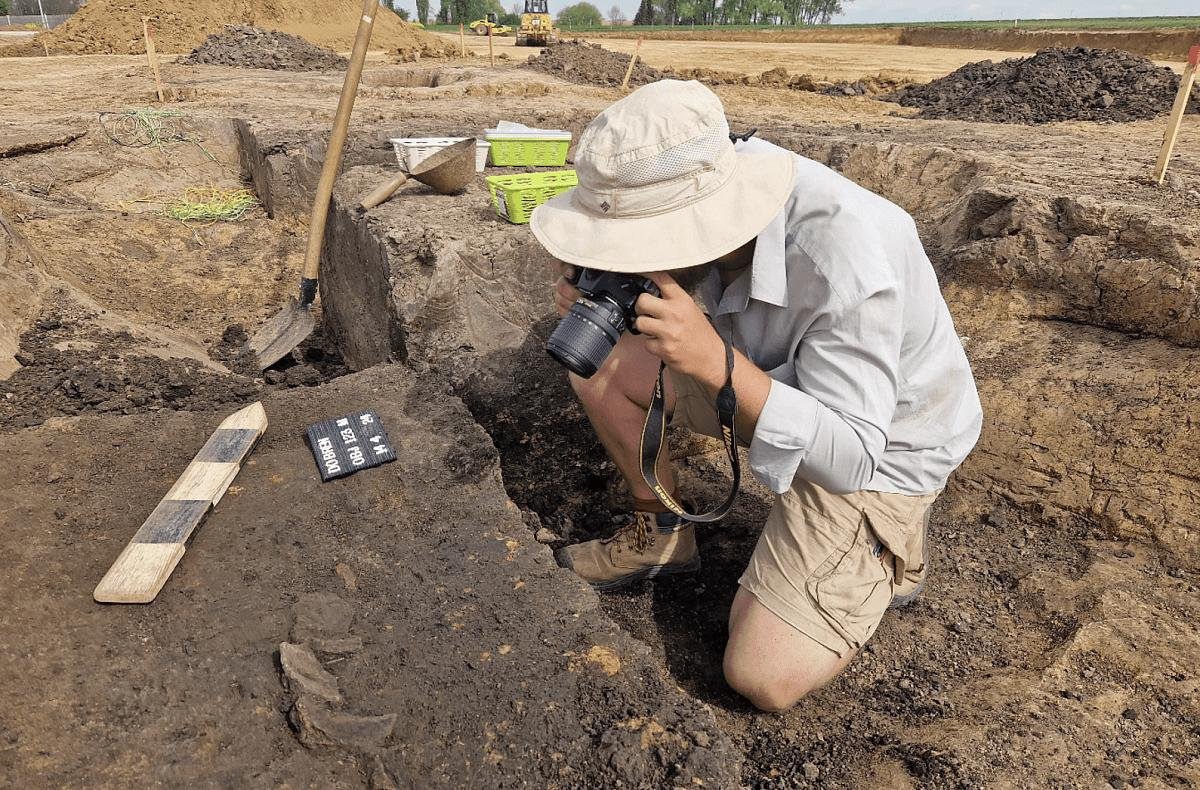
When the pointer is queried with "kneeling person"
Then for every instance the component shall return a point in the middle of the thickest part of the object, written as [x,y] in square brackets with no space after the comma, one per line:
[853,390]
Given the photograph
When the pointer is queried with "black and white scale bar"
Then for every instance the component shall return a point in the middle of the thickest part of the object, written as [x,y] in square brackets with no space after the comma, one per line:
[147,561]
[345,445]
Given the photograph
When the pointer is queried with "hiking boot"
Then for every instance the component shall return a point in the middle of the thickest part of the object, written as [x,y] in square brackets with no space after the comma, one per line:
[646,547]
[913,584]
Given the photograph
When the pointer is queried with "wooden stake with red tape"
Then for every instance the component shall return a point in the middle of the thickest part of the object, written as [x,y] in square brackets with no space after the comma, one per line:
[637,47]
[152,56]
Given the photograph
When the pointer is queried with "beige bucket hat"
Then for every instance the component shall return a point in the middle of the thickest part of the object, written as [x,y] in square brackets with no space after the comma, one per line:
[661,186]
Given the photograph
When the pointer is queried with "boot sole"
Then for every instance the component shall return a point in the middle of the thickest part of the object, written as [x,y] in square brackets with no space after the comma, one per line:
[652,572]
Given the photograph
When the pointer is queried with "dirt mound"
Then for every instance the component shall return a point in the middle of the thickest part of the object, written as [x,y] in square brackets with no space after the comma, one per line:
[590,64]
[1081,84]
[115,27]
[254,48]
[779,77]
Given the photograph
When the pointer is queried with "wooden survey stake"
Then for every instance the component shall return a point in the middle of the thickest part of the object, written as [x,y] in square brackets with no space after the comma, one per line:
[1177,111]
[462,41]
[144,566]
[491,52]
[632,61]
[152,56]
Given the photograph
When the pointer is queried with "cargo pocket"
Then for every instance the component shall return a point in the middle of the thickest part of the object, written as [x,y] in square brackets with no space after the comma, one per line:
[852,589]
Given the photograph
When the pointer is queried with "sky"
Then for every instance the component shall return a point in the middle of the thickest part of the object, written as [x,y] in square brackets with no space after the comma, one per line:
[938,10]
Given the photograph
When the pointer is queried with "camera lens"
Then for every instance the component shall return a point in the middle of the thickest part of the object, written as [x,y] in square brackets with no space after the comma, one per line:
[585,336]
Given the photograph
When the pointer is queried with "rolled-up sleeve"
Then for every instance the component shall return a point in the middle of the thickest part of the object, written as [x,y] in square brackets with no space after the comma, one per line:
[831,429]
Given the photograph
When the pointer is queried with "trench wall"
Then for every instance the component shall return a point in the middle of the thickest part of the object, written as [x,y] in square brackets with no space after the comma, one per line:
[22,283]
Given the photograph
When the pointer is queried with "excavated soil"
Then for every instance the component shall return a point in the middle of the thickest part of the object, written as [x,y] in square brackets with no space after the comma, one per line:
[251,47]
[779,77]
[590,64]
[115,27]
[1079,84]
[1055,647]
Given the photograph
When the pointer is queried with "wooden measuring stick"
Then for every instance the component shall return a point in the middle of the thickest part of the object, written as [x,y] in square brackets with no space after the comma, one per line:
[491,52]
[462,40]
[146,563]
[152,56]
[632,61]
[1177,111]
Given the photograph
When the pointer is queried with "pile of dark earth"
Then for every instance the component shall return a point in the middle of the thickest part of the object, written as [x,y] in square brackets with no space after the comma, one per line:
[249,47]
[590,64]
[1079,84]
[71,367]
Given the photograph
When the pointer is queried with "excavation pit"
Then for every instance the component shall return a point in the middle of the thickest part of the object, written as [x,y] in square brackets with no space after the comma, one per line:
[1058,588]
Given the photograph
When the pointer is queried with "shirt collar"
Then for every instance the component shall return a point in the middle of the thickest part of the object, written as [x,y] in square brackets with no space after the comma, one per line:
[767,279]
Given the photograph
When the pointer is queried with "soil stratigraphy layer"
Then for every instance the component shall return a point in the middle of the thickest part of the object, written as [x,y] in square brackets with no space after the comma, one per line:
[1080,84]
[251,47]
[115,27]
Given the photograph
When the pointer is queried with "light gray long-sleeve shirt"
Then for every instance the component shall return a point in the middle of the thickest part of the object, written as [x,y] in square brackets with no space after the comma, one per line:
[870,387]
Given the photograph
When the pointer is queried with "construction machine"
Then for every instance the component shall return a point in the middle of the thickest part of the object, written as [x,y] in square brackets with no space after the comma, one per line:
[480,26]
[537,27]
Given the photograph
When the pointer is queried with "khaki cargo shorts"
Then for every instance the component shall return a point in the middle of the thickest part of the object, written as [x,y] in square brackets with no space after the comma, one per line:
[826,564]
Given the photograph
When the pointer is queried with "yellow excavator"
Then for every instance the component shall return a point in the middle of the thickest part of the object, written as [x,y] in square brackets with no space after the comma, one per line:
[537,27]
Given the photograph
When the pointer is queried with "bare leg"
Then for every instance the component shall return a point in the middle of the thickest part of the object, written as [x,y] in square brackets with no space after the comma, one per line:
[616,399]
[770,663]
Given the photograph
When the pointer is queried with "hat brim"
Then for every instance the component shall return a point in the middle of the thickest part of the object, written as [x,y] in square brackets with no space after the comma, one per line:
[691,235]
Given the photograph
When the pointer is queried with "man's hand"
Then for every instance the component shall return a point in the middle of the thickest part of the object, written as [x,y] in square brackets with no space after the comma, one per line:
[565,294]
[679,334]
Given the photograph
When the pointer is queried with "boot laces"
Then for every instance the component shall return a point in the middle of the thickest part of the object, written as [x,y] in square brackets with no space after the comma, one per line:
[639,531]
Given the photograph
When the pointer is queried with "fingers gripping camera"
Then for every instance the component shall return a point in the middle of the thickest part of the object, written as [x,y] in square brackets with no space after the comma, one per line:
[589,331]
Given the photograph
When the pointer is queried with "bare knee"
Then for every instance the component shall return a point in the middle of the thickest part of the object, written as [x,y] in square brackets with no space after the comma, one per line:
[769,662]
[765,688]
[625,377]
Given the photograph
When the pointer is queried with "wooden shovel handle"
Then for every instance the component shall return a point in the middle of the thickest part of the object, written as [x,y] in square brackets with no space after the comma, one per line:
[337,141]
[384,191]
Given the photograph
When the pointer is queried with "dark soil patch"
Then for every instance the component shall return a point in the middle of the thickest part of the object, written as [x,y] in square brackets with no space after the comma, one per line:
[249,47]
[554,466]
[590,64]
[72,368]
[315,361]
[1079,84]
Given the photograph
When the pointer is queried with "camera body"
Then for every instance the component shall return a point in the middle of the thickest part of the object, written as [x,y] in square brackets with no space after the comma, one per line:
[590,330]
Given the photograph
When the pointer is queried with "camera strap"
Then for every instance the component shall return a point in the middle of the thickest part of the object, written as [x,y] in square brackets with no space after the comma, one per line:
[654,437]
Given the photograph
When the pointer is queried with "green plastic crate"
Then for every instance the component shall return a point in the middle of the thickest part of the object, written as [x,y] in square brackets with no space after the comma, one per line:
[517,151]
[516,196]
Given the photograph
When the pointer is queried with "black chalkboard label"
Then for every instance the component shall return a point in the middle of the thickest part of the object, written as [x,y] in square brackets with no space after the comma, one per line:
[345,445]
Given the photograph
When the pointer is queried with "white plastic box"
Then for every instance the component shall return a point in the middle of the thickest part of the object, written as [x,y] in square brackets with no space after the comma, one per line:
[411,151]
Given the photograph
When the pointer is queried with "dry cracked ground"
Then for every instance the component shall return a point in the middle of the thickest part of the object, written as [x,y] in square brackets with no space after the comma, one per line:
[407,626]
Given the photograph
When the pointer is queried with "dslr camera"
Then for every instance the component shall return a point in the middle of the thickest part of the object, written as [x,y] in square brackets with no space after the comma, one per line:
[588,332]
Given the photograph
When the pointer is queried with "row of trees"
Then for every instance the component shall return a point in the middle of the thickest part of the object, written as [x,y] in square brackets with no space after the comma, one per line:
[737,12]
[650,12]
[453,12]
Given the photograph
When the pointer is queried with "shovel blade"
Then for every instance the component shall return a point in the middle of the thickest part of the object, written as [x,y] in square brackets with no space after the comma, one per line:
[286,330]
